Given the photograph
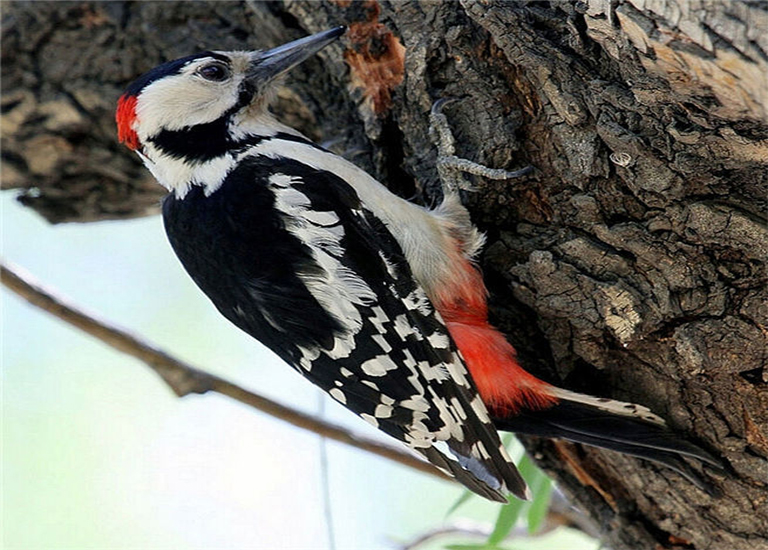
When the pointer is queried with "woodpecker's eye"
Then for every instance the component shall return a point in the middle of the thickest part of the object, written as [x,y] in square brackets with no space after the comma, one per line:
[215,72]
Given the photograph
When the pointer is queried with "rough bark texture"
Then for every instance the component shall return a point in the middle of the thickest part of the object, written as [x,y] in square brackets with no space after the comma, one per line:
[632,264]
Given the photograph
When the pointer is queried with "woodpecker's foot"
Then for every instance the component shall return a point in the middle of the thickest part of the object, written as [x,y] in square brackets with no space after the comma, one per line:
[449,166]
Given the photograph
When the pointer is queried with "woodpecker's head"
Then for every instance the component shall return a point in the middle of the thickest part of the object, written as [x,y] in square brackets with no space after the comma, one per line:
[195,109]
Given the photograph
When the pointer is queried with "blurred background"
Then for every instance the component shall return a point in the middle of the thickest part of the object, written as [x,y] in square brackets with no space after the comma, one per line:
[97,453]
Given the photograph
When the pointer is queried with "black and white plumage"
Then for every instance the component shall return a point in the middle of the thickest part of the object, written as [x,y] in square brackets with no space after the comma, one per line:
[290,254]
[270,228]
[372,298]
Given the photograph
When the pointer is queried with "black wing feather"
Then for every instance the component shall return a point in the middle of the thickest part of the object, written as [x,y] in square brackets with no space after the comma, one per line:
[630,435]
[253,263]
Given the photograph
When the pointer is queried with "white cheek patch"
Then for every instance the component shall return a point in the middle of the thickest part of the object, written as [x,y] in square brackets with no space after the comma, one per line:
[183,100]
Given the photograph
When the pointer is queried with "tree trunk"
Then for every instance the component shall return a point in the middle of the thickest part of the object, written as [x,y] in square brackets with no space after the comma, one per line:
[632,264]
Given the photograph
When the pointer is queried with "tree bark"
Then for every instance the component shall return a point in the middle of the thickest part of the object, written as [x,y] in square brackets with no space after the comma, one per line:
[632,264]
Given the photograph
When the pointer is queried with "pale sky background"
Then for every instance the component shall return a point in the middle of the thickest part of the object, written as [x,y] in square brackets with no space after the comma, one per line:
[98,454]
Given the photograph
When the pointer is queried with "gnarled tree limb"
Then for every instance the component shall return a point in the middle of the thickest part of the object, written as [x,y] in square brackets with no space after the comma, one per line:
[184,379]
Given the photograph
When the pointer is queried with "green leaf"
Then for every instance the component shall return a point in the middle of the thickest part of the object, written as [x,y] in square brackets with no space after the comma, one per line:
[509,513]
[542,489]
[506,520]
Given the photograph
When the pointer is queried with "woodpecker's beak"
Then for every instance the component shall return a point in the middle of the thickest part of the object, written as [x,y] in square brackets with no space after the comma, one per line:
[268,65]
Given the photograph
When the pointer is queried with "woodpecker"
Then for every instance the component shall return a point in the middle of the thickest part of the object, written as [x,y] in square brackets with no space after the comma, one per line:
[373,298]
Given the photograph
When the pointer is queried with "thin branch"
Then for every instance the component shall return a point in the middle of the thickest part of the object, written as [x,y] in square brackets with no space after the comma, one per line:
[465,529]
[185,379]
[560,514]
[325,479]
[459,529]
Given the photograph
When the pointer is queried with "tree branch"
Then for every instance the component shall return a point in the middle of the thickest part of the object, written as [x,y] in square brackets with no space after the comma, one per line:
[185,379]
[560,514]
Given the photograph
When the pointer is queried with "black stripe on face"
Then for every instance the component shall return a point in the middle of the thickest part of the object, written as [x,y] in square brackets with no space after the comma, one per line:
[205,142]
[196,143]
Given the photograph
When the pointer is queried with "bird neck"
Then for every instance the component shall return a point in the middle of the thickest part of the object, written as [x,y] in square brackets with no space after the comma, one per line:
[203,155]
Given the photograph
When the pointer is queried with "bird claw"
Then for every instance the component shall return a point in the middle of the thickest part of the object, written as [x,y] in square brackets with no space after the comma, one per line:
[474,168]
[437,106]
[439,130]
[449,166]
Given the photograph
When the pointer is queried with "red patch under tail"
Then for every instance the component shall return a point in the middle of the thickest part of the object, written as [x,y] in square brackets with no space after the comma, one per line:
[125,117]
[492,361]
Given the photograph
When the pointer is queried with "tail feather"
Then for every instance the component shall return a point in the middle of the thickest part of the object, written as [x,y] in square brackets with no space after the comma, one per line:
[609,425]
[463,476]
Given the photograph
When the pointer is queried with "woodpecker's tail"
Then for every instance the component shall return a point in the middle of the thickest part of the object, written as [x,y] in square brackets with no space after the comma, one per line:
[623,427]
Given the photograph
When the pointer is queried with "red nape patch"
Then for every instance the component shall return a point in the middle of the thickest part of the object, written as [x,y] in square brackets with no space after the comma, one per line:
[125,117]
